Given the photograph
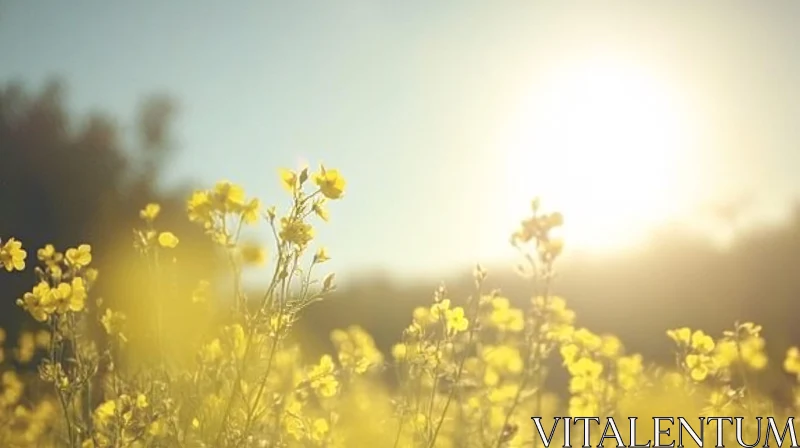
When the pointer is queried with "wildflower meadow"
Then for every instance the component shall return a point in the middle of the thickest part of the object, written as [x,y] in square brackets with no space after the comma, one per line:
[466,372]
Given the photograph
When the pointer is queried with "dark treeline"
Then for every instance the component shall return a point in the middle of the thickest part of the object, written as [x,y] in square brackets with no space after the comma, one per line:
[67,179]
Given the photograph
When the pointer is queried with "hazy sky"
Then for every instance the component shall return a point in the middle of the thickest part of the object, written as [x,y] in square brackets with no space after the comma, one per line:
[424,106]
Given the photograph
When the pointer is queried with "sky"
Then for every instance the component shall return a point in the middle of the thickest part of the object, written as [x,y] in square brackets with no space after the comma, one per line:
[447,117]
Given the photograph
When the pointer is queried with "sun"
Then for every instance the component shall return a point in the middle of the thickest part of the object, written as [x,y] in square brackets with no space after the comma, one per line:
[603,143]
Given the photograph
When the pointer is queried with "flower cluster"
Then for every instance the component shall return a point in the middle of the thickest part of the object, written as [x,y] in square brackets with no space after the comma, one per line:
[466,371]
[12,255]
[64,282]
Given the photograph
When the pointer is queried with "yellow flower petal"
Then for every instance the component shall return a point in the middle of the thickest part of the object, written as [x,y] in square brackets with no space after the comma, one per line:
[168,240]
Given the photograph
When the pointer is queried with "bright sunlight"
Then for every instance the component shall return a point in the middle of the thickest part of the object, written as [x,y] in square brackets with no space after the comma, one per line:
[603,143]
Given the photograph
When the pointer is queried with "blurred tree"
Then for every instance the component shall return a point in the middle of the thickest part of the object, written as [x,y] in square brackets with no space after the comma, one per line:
[67,180]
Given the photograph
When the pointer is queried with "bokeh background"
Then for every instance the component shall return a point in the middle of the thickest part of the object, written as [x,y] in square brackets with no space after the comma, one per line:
[665,132]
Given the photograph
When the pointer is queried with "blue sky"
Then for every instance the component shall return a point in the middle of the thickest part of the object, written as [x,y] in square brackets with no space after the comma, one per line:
[418,103]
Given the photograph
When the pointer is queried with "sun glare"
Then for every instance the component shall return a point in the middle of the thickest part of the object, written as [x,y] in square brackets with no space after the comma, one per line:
[602,143]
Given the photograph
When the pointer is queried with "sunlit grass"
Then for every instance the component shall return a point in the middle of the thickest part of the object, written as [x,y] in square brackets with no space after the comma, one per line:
[221,368]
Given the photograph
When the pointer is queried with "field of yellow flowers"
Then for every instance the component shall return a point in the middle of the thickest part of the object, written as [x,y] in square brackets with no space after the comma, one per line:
[466,372]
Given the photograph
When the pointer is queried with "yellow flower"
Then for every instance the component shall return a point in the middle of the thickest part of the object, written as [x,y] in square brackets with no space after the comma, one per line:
[48,255]
[150,212]
[503,394]
[399,351]
[91,275]
[558,314]
[698,366]
[569,352]
[325,366]
[792,362]
[330,182]
[78,297]
[26,347]
[288,179]
[60,297]
[228,195]
[586,367]
[504,317]
[12,388]
[326,386]
[38,302]
[612,346]
[296,232]
[630,365]
[587,339]
[321,211]
[629,369]
[503,358]
[491,377]
[356,349]
[702,342]
[726,352]
[168,240]
[69,296]
[322,379]
[105,411]
[12,256]
[555,219]
[157,428]
[250,211]
[293,423]
[456,321]
[438,310]
[579,384]
[750,329]
[321,256]
[681,335]
[199,207]
[320,429]
[583,405]
[421,316]
[553,247]
[55,271]
[420,421]
[753,355]
[79,257]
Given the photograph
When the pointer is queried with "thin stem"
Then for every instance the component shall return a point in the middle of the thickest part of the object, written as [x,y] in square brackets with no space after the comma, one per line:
[59,392]
[533,351]
[473,319]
